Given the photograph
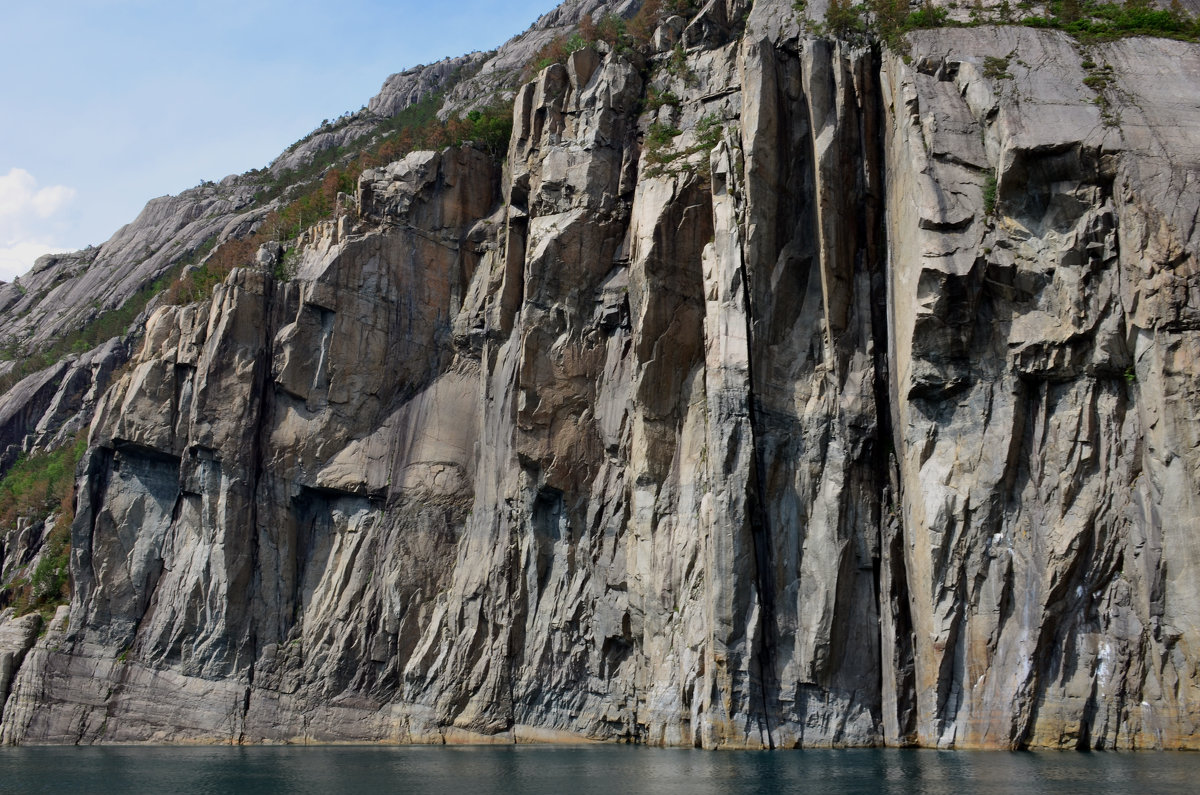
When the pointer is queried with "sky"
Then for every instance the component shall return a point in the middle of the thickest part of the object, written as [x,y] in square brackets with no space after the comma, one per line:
[105,104]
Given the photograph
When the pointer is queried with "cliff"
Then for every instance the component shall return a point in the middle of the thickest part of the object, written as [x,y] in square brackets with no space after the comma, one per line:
[776,390]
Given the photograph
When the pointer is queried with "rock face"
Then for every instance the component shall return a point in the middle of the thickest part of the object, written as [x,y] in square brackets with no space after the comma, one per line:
[17,636]
[409,87]
[48,408]
[1048,519]
[63,293]
[795,395]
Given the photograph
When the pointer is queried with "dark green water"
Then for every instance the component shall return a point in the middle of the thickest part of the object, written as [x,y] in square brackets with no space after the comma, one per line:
[583,771]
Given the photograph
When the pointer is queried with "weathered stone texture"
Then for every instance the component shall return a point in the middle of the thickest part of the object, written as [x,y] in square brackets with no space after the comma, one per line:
[861,411]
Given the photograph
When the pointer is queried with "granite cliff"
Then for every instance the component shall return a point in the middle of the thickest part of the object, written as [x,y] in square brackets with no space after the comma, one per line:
[775,390]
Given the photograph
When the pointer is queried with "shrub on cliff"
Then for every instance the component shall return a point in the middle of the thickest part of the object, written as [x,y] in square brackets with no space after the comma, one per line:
[105,325]
[35,488]
[1092,21]
[413,129]
[37,483]
[621,35]
[1086,20]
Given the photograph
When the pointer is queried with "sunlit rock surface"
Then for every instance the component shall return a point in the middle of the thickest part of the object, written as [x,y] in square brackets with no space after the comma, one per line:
[860,411]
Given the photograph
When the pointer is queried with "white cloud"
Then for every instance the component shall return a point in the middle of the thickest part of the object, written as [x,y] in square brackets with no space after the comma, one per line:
[17,259]
[48,201]
[25,210]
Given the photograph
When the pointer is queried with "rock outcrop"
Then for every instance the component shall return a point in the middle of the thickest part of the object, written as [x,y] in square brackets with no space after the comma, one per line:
[794,392]
[1049,520]
[63,293]
[409,87]
[48,408]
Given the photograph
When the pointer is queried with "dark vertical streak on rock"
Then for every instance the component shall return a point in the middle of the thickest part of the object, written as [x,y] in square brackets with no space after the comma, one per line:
[262,376]
[760,530]
[883,450]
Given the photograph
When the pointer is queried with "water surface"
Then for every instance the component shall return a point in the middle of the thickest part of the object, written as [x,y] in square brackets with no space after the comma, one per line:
[587,770]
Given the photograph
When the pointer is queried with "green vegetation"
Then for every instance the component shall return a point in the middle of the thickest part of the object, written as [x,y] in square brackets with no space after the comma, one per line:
[557,51]
[36,484]
[677,65]
[708,132]
[889,20]
[927,16]
[314,188]
[286,267]
[1090,21]
[196,284]
[660,138]
[996,68]
[656,99]
[1098,79]
[989,195]
[490,128]
[413,117]
[611,29]
[35,488]
[336,170]
[622,36]
[417,127]
[1086,20]
[50,583]
[104,326]
[843,20]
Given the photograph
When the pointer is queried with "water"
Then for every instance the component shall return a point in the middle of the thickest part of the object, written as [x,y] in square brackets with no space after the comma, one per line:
[586,770]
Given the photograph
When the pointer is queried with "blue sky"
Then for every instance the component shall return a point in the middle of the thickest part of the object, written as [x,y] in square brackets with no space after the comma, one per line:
[105,104]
